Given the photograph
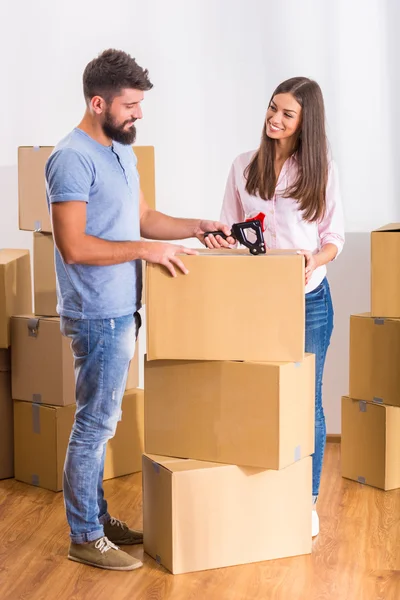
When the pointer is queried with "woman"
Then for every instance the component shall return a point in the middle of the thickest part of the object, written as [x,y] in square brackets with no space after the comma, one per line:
[291,179]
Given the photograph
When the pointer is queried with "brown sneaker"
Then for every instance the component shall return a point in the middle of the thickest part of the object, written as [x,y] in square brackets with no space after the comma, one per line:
[119,533]
[103,554]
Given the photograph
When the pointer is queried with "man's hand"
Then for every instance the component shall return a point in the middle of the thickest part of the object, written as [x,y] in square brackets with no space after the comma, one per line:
[212,241]
[165,254]
[311,263]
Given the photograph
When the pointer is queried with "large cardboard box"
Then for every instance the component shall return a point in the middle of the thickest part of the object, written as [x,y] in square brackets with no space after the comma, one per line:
[231,306]
[44,275]
[15,289]
[42,362]
[41,439]
[6,418]
[252,414]
[201,515]
[385,273]
[33,211]
[375,359]
[371,443]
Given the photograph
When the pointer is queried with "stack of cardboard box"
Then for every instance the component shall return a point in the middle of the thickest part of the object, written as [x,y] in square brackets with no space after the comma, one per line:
[43,385]
[15,296]
[229,412]
[371,412]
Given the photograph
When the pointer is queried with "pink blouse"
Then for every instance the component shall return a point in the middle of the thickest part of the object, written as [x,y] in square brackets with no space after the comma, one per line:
[284,226]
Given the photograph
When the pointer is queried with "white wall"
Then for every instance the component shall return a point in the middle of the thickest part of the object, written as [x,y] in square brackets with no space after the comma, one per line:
[214,64]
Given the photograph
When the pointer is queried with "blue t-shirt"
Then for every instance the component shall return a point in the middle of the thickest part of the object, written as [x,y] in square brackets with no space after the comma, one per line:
[106,178]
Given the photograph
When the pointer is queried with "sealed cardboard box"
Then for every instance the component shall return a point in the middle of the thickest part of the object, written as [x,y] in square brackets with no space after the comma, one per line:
[44,275]
[231,306]
[374,359]
[252,414]
[202,515]
[6,418]
[42,362]
[15,289]
[371,443]
[124,452]
[41,439]
[385,275]
[41,435]
[33,211]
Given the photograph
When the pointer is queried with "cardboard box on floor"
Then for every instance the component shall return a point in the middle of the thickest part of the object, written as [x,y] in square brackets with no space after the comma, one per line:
[15,289]
[385,275]
[231,306]
[252,414]
[370,445]
[42,362]
[33,211]
[6,418]
[201,515]
[374,359]
[42,433]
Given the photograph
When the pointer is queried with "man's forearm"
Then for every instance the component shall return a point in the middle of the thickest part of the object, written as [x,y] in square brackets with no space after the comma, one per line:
[90,250]
[155,225]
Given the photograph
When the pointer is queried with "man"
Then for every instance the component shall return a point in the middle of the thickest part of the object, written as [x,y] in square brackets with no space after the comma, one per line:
[99,216]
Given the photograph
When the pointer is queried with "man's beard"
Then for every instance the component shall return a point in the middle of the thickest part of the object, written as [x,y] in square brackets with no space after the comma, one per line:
[117,132]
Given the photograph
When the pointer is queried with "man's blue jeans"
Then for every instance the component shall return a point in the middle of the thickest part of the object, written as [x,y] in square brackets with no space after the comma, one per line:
[103,349]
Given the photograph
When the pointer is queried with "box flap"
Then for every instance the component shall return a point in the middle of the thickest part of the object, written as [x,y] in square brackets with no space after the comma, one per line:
[51,319]
[175,465]
[389,227]
[7,255]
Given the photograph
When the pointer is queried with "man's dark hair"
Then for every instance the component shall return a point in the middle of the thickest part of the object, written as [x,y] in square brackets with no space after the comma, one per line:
[111,72]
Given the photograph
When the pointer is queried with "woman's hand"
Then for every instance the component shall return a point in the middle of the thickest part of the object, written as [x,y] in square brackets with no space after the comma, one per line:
[311,263]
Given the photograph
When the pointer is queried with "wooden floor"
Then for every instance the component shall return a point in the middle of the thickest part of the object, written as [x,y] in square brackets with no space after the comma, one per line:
[355,557]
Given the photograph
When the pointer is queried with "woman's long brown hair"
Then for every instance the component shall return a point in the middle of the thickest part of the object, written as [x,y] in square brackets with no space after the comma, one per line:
[311,153]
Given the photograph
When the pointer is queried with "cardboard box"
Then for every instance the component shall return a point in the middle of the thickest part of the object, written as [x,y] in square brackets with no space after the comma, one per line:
[200,515]
[33,210]
[124,452]
[42,362]
[374,359]
[6,418]
[41,439]
[41,435]
[44,275]
[371,443]
[146,169]
[15,289]
[231,306]
[385,274]
[241,413]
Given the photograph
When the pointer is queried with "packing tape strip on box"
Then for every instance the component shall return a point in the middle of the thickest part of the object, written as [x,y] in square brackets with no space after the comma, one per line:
[36,418]
[297,453]
[379,321]
[377,400]
[362,406]
[361,480]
